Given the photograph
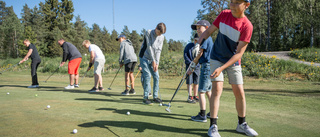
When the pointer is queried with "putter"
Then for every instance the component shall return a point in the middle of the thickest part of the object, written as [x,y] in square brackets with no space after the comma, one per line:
[85,74]
[185,76]
[114,78]
[10,67]
[136,76]
[52,74]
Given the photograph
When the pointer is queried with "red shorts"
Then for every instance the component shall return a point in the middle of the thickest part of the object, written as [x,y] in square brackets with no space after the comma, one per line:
[73,66]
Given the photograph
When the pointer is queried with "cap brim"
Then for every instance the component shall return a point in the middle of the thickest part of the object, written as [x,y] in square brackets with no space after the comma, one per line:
[194,27]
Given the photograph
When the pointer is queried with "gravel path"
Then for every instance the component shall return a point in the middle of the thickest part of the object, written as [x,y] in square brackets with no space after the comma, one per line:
[285,56]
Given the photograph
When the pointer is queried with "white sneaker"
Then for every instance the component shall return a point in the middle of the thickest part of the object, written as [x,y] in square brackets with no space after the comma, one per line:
[69,87]
[244,128]
[213,131]
[76,85]
[33,86]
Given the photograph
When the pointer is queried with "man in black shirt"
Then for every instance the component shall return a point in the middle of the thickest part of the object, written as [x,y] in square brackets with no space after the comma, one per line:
[36,60]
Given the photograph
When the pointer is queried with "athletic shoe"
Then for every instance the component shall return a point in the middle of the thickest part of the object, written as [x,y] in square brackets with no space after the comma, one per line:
[132,91]
[213,131]
[208,115]
[147,102]
[33,86]
[69,87]
[157,100]
[94,89]
[76,85]
[244,128]
[199,118]
[196,98]
[101,88]
[191,100]
[125,92]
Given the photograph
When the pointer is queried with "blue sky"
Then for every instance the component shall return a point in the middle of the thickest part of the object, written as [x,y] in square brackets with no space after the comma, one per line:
[178,15]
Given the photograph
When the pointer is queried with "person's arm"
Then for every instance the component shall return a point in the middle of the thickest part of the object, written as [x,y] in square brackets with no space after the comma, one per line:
[155,63]
[121,60]
[27,56]
[241,48]
[65,54]
[92,55]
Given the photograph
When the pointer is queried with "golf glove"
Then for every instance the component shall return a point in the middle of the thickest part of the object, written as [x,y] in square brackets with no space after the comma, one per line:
[192,66]
[195,50]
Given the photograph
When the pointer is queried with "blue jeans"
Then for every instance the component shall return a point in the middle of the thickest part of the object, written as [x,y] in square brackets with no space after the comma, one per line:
[205,84]
[147,71]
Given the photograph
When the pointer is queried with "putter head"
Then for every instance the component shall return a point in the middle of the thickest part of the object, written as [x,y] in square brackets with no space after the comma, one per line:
[168,110]
[109,88]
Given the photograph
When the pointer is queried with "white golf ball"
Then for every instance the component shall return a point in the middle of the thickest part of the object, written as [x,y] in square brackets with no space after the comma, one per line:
[128,113]
[8,93]
[48,106]
[160,104]
[75,131]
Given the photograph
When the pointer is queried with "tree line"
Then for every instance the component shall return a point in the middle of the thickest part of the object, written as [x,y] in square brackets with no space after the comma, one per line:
[51,20]
[278,25]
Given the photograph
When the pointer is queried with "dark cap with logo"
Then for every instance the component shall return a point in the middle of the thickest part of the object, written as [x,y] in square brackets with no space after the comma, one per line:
[200,23]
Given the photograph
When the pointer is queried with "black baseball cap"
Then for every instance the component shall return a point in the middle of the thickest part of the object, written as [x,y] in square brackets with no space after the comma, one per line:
[201,22]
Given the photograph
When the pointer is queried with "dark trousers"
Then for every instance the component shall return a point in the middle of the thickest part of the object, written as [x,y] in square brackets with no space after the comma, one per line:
[34,67]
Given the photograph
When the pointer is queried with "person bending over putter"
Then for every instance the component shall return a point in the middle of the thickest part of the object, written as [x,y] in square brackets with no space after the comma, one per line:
[129,59]
[149,61]
[97,59]
[71,53]
[234,34]
[203,58]
[36,60]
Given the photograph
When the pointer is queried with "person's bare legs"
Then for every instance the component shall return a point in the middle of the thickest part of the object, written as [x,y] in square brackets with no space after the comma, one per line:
[238,92]
[195,90]
[100,80]
[189,87]
[76,77]
[217,87]
[127,80]
[71,77]
[131,79]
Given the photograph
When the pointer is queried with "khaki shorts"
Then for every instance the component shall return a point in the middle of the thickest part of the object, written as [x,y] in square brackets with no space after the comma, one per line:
[234,72]
[98,65]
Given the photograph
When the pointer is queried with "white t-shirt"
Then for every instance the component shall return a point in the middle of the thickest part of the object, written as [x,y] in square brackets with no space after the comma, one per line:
[97,51]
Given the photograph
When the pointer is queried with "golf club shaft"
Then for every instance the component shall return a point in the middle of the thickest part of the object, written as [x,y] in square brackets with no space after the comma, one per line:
[52,74]
[136,76]
[115,76]
[185,76]
[85,74]
[11,67]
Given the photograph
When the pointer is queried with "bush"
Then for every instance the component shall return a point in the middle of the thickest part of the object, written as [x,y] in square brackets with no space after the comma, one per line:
[306,54]
[260,66]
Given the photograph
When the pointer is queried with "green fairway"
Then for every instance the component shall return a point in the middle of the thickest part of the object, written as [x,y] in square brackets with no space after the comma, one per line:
[274,108]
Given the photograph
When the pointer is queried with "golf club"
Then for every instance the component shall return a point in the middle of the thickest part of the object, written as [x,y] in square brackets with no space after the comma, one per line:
[52,74]
[10,67]
[85,74]
[114,78]
[185,76]
[136,76]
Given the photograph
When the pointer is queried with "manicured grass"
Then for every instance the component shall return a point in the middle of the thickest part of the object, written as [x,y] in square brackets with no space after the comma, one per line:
[274,108]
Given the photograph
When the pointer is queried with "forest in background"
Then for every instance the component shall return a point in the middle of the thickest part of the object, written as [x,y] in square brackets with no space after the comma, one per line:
[278,25]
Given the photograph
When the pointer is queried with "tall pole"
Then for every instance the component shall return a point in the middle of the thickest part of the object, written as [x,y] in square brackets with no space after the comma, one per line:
[113,13]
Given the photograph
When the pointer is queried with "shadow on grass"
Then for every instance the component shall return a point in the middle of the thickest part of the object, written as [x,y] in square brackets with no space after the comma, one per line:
[142,126]
[149,114]
[19,86]
[282,92]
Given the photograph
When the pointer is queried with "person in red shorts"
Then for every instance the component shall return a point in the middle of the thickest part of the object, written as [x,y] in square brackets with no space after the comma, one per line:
[71,53]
